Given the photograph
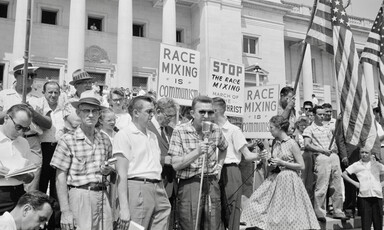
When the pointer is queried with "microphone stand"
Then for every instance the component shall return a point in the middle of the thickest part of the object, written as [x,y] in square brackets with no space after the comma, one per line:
[205,134]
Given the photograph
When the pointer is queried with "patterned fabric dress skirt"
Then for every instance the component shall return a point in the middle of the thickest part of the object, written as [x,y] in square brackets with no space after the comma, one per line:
[281,202]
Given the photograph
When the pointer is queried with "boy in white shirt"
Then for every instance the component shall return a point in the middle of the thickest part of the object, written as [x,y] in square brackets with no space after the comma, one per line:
[368,172]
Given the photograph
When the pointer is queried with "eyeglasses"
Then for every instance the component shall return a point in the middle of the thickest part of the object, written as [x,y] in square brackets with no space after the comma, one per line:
[307,108]
[169,116]
[19,127]
[88,111]
[203,112]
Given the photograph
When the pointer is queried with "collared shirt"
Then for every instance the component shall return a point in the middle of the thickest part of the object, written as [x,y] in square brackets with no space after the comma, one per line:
[319,135]
[185,139]
[236,141]
[80,158]
[9,98]
[331,125]
[123,120]
[7,222]
[57,116]
[141,150]
[15,154]
[368,174]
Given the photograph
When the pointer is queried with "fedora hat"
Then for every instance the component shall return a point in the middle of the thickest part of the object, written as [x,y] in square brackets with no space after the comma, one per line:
[80,75]
[88,97]
[18,65]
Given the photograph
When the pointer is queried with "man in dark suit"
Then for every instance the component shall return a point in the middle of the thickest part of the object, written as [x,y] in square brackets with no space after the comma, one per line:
[165,112]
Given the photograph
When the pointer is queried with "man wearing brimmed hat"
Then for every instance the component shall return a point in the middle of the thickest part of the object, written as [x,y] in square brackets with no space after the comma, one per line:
[82,81]
[10,97]
[79,160]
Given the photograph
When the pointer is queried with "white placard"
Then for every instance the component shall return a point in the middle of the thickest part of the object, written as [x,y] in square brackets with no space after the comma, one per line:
[261,103]
[179,70]
[226,80]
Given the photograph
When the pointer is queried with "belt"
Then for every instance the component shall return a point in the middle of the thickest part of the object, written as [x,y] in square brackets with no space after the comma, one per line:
[145,180]
[198,177]
[91,186]
[30,135]
[231,164]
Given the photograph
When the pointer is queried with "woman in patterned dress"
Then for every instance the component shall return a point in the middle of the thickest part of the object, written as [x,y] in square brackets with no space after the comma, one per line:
[281,202]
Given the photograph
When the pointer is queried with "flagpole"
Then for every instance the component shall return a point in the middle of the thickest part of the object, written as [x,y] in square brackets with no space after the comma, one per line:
[26,51]
[304,48]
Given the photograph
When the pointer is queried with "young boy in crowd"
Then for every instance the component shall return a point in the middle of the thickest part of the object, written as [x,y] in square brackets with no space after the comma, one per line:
[368,172]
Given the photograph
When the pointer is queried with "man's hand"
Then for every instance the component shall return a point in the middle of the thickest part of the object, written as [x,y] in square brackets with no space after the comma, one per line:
[263,154]
[219,167]
[67,222]
[203,147]
[327,152]
[105,169]
[3,170]
[124,220]
[345,161]
[291,103]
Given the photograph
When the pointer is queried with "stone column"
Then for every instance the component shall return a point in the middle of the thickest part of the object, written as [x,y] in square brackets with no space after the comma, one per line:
[169,22]
[123,76]
[76,37]
[18,37]
[307,75]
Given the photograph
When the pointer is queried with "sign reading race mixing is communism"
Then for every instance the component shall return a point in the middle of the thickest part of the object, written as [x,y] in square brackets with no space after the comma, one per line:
[226,80]
[179,70]
[261,103]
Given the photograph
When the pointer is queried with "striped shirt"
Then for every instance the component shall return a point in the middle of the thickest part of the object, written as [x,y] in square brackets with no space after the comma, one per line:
[320,136]
[80,158]
[185,139]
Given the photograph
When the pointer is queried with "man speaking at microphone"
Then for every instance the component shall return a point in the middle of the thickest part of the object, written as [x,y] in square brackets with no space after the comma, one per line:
[188,149]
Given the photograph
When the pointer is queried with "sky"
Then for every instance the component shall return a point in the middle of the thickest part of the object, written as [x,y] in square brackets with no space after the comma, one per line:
[361,8]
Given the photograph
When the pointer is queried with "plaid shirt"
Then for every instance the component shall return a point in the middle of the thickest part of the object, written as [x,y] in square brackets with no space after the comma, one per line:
[81,159]
[185,139]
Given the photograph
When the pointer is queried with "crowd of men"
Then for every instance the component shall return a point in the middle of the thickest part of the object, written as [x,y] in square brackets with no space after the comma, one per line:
[115,162]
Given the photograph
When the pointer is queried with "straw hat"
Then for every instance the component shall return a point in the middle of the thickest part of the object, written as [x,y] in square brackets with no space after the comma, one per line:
[88,97]
[18,65]
[80,75]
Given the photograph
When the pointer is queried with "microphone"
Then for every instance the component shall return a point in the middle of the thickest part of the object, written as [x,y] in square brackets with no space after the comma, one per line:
[206,129]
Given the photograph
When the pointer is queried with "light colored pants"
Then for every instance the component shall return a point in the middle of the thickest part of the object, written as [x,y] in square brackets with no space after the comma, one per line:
[37,158]
[90,209]
[149,205]
[328,173]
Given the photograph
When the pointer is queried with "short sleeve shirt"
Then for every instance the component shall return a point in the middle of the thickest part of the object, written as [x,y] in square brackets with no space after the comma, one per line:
[236,141]
[141,150]
[368,174]
[320,136]
[80,158]
[7,222]
[185,139]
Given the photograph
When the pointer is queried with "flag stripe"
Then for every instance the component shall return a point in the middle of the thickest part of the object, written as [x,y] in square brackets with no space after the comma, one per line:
[358,120]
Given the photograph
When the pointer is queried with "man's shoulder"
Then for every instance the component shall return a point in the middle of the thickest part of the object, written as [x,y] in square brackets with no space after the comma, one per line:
[7,222]
[7,92]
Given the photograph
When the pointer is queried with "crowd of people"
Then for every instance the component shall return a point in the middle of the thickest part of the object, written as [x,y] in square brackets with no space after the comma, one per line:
[113,160]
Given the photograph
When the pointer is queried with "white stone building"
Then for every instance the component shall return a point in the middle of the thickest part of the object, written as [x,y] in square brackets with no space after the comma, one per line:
[118,41]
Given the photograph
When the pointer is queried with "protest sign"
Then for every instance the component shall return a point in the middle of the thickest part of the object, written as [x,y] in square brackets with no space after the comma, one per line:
[261,103]
[226,80]
[179,70]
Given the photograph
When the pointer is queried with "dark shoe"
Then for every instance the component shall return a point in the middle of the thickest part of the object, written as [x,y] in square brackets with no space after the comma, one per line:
[340,216]
[321,219]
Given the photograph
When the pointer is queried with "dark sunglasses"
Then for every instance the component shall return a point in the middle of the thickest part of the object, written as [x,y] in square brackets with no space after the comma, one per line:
[19,127]
[203,112]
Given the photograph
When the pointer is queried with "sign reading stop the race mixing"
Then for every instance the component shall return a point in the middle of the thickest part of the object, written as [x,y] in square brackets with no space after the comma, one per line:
[261,103]
[179,70]
[226,80]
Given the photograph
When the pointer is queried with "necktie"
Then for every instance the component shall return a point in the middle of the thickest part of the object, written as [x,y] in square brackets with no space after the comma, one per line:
[163,135]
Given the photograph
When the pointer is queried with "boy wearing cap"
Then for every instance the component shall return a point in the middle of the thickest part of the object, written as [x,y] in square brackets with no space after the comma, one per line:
[79,160]
[368,173]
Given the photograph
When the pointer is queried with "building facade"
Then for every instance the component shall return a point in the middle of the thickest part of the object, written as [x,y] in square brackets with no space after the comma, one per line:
[118,41]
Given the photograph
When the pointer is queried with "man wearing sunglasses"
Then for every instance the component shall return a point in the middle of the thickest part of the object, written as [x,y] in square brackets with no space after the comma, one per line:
[15,154]
[9,97]
[188,149]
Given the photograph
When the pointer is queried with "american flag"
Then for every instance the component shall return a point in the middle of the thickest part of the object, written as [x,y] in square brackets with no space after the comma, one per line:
[373,51]
[330,30]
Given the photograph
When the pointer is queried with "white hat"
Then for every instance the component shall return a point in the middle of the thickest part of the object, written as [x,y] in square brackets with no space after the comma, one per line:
[19,65]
